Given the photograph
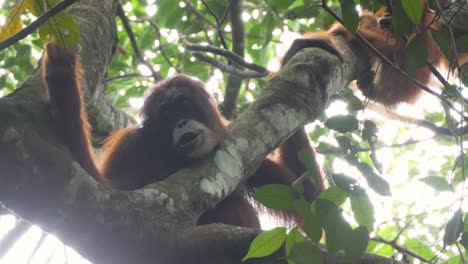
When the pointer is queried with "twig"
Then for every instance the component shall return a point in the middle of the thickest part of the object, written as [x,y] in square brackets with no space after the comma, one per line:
[459,9]
[124,76]
[218,25]
[336,151]
[460,252]
[197,13]
[35,24]
[136,48]
[401,249]
[450,30]
[228,54]
[228,68]
[158,36]
[226,12]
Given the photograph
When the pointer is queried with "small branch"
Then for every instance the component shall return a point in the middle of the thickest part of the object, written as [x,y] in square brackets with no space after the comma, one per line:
[227,54]
[136,48]
[337,151]
[401,249]
[158,36]
[452,36]
[227,68]
[431,67]
[197,13]
[35,24]
[218,25]
[226,12]
[124,76]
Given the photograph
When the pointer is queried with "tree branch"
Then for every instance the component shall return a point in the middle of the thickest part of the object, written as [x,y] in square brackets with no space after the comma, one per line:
[95,220]
[229,55]
[218,23]
[156,222]
[233,83]
[136,48]
[227,68]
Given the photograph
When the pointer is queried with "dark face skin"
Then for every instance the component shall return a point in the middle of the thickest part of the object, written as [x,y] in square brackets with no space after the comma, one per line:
[180,116]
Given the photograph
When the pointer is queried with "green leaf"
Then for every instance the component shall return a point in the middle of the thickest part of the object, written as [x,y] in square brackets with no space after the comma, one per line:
[462,43]
[334,194]
[305,253]
[266,243]
[336,228]
[276,196]
[62,28]
[354,103]
[453,229]
[465,223]
[356,244]
[350,15]
[343,123]
[344,143]
[438,183]
[464,74]
[344,181]
[267,28]
[420,247]
[308,160]
[414,9]
[282,4]
[312,227]
[170,15]
[400,20]
[464,239]
[324,146]
[363,209]
[415,54]
[302,207]
[369,131]
[38,7]
[375,181]
[302,12]
[442,38]
[294,237]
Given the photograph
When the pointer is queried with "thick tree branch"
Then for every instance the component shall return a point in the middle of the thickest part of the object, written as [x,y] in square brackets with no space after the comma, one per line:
[152,218]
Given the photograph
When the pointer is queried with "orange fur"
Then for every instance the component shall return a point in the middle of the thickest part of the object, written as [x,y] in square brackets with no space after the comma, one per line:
[137,156]
[383,83]
[65,104]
